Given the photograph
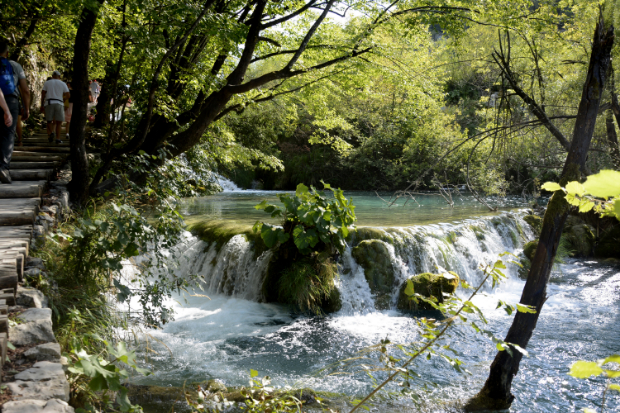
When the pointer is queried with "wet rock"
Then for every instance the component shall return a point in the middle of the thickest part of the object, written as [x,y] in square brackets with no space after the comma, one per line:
[535,222]
[43,381]
[333,303]
[30,297]
[44,352]
[32,262]
[215,386]
[428,285]
[37,406]
[35,327]
[580,237]
[529,249]
[375,258]
[609,244]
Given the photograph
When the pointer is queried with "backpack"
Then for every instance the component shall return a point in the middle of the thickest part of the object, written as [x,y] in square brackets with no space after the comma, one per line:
[7,80]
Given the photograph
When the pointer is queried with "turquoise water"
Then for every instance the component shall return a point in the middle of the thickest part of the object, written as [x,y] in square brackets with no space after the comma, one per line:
[371,209]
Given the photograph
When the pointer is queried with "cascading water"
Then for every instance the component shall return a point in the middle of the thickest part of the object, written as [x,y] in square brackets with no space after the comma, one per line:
[234,331]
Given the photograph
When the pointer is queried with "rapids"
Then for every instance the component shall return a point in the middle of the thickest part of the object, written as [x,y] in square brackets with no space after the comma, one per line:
[232,331]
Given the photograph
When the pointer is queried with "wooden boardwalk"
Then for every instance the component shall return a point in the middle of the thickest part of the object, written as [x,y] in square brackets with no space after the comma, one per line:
[32,167]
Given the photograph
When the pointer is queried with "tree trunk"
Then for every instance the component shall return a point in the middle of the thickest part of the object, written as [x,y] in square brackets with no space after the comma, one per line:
[104,109]
[496,394]
[78,187]
[612,140]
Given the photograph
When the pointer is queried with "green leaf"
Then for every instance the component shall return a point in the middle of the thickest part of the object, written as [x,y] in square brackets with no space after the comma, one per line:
[575,188]
[605,184]
[253,373]
[301,190]
[409,290]
[269,234]
[551,186]
[525,309]
[584,369]
[615,387]
[612,359]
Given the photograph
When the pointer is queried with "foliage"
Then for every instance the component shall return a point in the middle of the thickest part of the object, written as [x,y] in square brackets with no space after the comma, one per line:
[106,375]
[600,192]
[309,218]
[258,397]
[586,369]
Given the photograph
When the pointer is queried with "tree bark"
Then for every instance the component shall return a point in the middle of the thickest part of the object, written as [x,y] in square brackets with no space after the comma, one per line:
[496,393]
[78,187]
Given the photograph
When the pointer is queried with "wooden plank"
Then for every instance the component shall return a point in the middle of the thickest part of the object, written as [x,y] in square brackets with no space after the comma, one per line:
[45,149]
[31,174]
[14,259]
[10,299]
[34,165]
[21,202]
[4,343]
[4,323]
[4,309]
[23,189]
[9,216]
[13,243]
[35,157]
[9,281]
[16,232]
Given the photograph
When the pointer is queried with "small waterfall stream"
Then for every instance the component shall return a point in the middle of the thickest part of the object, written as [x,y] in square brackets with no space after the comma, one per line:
[237,269]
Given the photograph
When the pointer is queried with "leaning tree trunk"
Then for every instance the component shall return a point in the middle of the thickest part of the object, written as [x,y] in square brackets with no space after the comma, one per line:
[496,394]
[104,109]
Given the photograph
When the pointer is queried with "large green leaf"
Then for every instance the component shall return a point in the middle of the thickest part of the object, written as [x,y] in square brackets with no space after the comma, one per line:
[605,184]
[584,369]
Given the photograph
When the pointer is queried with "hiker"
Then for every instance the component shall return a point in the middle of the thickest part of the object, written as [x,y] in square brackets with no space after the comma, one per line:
[53,96]
[13,86]
[68,109]
[94,90]
[8,119]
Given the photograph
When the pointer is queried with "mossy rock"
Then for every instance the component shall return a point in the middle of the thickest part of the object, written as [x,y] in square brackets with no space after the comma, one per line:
[535,223]
[529,249]
[428,285]
[374,257]
[221,232]
[609,244]
[580,237]
[369,233]
[333,303]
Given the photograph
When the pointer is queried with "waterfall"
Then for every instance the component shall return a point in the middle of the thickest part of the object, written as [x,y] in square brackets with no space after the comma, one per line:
[236,268]
[226,184]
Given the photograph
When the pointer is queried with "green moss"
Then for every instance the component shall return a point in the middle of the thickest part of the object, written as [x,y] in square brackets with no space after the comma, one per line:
[479,232]
[308,284]
[580,236]
[373,256]
[428,285]
[529,249]
[535,222]
[221,232]
[369,233]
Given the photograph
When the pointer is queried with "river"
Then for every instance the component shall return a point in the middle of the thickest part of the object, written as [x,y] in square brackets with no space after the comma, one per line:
[226,334]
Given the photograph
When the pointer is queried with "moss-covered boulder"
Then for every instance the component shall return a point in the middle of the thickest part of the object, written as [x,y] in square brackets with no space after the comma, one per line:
[428,285]
[529,249]
[535,222]
[375,258]
[333,303]
[221,232]
[579,236]
[609,244]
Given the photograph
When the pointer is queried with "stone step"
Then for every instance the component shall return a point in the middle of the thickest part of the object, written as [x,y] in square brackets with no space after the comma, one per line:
[46,144]
[23,189]
[35,165]
[32,174]
[44,156]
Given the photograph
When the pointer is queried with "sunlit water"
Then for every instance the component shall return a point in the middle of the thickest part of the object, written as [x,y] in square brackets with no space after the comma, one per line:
[224,337]
[370,209]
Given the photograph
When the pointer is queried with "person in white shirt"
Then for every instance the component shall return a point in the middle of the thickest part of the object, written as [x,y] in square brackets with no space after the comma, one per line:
[55,91]
[94,90]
